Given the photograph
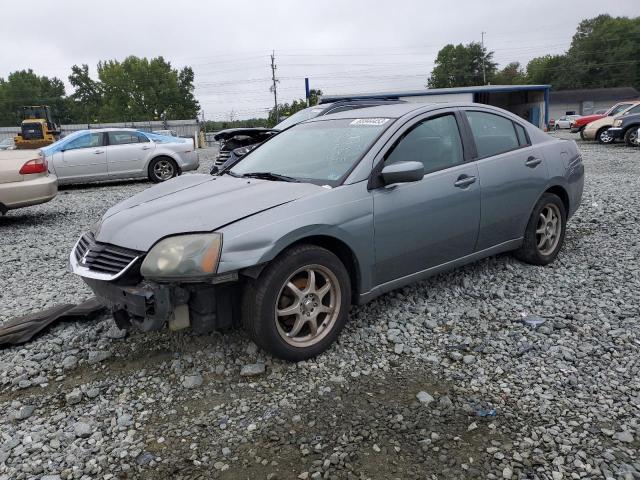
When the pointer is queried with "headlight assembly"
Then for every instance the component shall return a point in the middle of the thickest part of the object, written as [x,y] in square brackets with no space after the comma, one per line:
[617,123]
[183,257]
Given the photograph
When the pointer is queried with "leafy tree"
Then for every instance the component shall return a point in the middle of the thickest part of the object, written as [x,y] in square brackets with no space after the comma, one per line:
[24,87]
[314,96]
[141,89]
[287,109]
[511,74]
[86,102]
[603,53]
[461,66]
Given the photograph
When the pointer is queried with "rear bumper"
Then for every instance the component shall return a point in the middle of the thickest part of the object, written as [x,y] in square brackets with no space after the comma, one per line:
[189,161]
[28,192]
[150,305]
[616,132]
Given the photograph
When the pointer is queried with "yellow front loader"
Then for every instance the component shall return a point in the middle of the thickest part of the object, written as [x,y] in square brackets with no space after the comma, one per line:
[37,129]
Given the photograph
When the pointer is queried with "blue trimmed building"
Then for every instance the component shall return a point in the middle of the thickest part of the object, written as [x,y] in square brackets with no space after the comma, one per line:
[530,102]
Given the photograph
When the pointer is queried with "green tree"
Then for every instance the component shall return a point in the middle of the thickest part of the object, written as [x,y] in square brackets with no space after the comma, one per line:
[24,87]
[511,74]
[142,89]
[461,66]
[545,69]
[314,96]
[287,109]
[603,53]
[86,101]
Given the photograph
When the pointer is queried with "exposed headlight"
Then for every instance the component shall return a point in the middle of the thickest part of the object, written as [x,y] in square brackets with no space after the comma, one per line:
[617,123]
[183,257]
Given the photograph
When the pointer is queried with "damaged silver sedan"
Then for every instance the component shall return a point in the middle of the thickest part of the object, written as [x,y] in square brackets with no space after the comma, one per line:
[332,212]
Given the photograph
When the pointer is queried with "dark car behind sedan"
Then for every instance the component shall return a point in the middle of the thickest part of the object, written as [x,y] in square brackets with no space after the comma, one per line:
[237,142]
[626,128]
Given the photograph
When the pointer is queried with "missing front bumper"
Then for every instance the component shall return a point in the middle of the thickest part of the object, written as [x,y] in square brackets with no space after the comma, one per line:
[149,306]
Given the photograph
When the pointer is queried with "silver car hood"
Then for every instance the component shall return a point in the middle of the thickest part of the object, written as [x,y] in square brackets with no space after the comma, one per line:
[192,203]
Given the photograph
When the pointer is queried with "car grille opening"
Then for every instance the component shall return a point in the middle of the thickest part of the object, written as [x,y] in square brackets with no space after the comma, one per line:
[103,257]
[222,157]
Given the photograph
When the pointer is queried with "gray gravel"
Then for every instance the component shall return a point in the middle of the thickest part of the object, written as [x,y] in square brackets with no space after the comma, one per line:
[442,379]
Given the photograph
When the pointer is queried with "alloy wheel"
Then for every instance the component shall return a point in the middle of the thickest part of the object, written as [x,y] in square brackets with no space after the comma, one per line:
[605,137]
[308,305]
[163,170]
[548,229]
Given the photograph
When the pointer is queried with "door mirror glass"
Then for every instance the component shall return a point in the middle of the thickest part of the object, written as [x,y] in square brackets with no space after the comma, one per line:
[402,172]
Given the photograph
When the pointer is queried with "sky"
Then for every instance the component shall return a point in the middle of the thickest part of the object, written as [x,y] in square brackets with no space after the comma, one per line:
[343,46]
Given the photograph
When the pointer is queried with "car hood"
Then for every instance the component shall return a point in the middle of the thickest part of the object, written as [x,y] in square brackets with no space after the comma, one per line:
[601,122]
[232,132]
[587,119]
[193,203]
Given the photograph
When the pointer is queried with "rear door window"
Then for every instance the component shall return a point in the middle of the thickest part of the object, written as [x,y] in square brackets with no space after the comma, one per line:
[124,138]
[492,133]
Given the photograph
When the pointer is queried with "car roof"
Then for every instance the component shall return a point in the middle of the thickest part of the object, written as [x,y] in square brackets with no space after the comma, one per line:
[398,110]
[395,110]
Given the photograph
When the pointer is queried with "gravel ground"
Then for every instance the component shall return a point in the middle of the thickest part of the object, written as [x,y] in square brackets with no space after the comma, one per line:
[438,380]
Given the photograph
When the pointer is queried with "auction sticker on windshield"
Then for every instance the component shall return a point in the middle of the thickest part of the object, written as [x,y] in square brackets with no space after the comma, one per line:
[369,121]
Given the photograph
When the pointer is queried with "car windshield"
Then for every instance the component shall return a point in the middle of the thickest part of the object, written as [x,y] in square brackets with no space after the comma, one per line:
[298,117]
[59,145]
[619,108]
[157,138]
[316,152]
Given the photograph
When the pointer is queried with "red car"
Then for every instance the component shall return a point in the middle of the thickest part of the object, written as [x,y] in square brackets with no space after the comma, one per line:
[578,125]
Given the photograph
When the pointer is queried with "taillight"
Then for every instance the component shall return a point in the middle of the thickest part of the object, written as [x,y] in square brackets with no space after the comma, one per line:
[38,165]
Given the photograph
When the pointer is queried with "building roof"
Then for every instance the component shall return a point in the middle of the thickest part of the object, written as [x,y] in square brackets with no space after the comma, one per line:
[434,91]
[594,94]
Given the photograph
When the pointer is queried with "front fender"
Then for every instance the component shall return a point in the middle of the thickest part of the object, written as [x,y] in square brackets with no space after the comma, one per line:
[344,213]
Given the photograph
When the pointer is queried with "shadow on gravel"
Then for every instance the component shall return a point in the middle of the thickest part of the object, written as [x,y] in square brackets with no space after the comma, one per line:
[108,183]
[372,427]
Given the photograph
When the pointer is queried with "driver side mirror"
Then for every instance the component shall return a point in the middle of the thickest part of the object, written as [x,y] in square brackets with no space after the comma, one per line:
[402,172]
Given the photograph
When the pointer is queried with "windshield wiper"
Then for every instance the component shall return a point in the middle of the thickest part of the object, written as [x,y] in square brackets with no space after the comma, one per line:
[270,176]
[226,171]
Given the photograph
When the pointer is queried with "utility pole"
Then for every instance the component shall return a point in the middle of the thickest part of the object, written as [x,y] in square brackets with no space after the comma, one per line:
[273,87]
[484,78]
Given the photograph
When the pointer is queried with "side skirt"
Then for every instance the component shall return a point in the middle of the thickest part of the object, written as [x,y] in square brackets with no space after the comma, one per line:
[414,277]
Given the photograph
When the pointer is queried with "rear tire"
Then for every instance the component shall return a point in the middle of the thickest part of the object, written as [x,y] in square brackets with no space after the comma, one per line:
[603,136]
[544,235]
[631,137]
[292,314]
[556,127]
[162,169]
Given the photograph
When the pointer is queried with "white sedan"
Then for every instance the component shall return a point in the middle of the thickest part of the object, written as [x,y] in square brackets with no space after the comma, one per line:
[119,153]
[565,121]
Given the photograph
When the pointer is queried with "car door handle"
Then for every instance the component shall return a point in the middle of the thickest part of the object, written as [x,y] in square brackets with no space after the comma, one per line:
[146,147]
[464,181]
[533,162]
[98,152]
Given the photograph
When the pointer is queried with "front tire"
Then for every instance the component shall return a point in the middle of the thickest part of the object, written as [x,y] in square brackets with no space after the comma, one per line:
[299,304]
[582,134]
[162,169]
[604,137]
[545,231]
[631,137]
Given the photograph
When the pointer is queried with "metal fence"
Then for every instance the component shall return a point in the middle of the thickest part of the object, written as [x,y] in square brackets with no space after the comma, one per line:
[183,128]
